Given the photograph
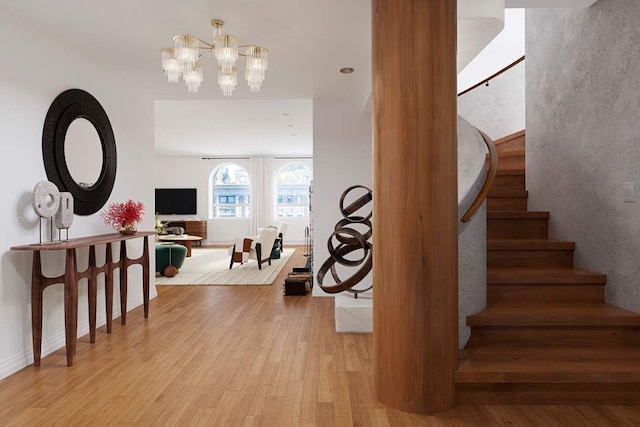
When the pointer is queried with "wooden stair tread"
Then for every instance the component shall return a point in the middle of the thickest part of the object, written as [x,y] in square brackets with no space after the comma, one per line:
[517,215]
[529,244]
[554,364]
[507,138]
[543,276]
[560,315]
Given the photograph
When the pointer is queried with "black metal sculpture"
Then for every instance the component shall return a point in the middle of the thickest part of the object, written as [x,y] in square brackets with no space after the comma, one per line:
[349,240]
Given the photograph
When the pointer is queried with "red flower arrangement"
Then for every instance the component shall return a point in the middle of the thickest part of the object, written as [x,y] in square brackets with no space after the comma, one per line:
[123,216]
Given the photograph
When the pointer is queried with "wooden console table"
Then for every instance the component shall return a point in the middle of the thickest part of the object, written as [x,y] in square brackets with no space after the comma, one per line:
[72,276]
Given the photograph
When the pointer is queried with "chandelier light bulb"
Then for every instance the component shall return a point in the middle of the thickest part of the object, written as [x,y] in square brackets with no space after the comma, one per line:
[193,78]
[227,80]
[170,65]
[226,51]
[183,60]
[186,48]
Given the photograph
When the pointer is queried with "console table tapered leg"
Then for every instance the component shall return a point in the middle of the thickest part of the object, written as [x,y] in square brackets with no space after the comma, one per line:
[36,307]
[145,276]
[108,287]
[93,294]
[70,305]
[123,282]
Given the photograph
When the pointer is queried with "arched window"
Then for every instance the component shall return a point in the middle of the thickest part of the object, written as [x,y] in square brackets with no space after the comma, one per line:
[231,192]
[293,190]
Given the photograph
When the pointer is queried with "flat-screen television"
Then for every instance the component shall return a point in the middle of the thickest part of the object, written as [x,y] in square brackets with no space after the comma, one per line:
[176,201]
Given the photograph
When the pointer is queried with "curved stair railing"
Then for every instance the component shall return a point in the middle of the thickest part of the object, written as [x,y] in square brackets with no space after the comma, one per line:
[493,76]
[489,178]
[493,152]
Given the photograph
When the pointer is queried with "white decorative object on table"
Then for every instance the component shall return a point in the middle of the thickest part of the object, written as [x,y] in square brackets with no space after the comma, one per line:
[64,215]
[46,199]
[49,202]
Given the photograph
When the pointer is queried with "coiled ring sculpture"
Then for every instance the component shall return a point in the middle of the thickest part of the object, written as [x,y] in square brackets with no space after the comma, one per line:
[349,240]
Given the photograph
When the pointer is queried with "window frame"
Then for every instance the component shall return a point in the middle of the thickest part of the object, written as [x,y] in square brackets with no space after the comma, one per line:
[235,209]
[290,203]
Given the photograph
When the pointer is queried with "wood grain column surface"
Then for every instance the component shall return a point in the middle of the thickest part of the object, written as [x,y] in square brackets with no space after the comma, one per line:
[415,204]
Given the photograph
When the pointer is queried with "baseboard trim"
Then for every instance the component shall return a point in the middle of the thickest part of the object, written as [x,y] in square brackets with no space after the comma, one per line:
[18,361]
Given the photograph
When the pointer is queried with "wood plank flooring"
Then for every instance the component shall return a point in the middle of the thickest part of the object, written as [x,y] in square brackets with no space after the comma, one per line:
[239,356]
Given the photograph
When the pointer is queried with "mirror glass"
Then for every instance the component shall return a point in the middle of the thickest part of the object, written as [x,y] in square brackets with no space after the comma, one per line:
[83,152]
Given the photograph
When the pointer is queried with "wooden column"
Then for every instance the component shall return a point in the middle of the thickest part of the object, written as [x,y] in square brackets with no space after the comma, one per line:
[415,204]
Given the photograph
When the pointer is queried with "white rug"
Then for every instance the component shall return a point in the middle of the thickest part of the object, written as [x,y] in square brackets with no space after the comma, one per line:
[211,267]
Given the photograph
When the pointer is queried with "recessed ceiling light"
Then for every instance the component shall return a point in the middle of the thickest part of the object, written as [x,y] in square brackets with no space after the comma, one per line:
[290,126]
[285,114]
[294,134]
[347,70]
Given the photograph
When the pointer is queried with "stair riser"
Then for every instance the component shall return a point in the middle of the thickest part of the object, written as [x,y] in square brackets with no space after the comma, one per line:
[548,258]
[517,228]
[556,293]
[507,184]
[548,394]
[514,142]
[487,336]
[511,163]
[506,204]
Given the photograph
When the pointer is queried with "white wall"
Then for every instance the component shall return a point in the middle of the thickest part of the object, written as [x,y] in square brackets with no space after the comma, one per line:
[499,109]
[583,135]
[342,152]
[194,172]
[502,51]
[38,71]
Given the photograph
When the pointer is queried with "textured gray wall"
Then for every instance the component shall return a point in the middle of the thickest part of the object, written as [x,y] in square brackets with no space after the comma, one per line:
[583,134]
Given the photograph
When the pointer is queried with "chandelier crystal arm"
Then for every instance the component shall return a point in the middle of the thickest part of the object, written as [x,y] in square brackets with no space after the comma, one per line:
[183,60]
[208,46]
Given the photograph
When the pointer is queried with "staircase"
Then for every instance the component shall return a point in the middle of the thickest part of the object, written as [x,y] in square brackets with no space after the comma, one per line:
[546,336]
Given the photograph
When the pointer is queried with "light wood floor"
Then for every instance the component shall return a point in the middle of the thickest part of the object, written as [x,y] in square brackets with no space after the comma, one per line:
[239,356]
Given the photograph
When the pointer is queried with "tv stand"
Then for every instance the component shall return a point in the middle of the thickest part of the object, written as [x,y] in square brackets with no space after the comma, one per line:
[191,227]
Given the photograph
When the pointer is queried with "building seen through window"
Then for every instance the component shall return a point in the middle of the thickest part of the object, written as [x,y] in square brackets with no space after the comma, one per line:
[231,192]
[293,190]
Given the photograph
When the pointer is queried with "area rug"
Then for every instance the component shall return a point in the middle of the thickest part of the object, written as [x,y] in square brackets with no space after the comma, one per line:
[211,267]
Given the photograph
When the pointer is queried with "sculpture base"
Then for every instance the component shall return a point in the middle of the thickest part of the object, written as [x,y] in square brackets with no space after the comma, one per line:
[354,315]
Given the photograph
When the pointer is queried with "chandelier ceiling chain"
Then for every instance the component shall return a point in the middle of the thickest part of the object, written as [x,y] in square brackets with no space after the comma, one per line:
[183,60]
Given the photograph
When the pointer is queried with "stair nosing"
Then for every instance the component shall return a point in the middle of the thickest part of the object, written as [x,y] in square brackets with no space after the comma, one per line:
[525,215]
[569,276]
[529,245]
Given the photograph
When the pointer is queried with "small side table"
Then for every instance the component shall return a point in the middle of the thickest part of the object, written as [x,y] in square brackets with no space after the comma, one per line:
[184,240]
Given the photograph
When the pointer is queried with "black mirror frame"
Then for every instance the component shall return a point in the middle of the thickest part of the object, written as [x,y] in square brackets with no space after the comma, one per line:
[68,106]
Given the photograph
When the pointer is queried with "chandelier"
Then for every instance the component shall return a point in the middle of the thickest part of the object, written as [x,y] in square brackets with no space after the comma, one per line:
[183,60]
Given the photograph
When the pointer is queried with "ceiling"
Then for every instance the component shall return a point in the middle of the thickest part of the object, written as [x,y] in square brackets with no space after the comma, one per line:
[222,128]
[308,42]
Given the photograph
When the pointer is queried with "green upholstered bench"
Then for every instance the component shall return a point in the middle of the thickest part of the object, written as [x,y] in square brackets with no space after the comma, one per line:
[178,254]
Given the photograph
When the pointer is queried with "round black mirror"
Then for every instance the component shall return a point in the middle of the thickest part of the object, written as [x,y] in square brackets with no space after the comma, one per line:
[70,105]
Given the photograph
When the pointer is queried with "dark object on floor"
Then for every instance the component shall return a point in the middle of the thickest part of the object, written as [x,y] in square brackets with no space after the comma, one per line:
[298,282]
[277,248]
[295,287]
